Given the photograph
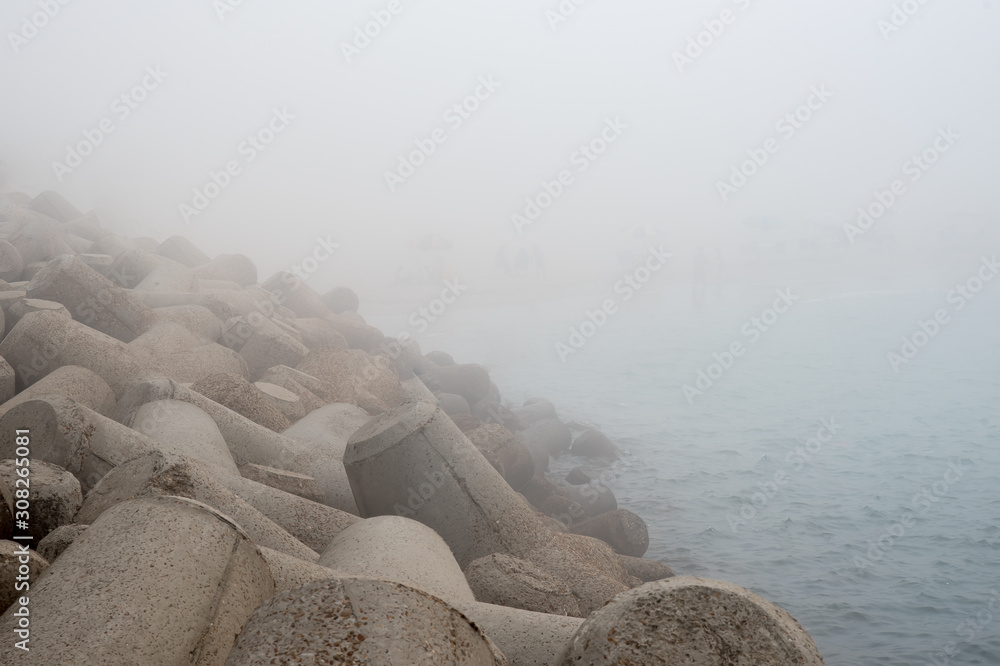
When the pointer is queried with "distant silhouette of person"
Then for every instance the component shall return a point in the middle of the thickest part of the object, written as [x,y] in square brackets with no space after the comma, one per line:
[502,262]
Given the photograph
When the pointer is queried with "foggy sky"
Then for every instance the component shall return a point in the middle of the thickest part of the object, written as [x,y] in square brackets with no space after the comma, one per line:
[324,174]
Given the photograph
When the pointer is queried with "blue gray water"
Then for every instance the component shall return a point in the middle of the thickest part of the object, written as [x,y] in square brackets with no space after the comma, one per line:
[883,541]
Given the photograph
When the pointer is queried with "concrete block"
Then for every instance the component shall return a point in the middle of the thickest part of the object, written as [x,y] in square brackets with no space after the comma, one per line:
[401,550]
[509,581]
[23,306]
[621,529]
[242,397]
[70,381]
[290,572]
[690,620]
[367,381]
[236,267]
[58,540]
[414,461]
[11,263]
[360,621]
[291,482]
[73,437]
[183,251]
[162,474]
[341,299]
[91,298]
[55,494]
[141,594]
[283,400]
[526,638]
[13,563]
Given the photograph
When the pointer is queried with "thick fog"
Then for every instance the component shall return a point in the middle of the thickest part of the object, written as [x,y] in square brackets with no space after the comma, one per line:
[835,101]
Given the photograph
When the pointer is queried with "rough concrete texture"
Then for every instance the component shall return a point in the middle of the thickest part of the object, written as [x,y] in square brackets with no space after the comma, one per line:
[687,620]
[503,580]
[290,572]
[549,435]
[290,482]
[469,380]
[283,400]
[183,251]
[182,428]
[6,510]
[401,550]
[242,397]
[248,441]
[11,263]
[73,437]
[312,523]
[55,494]
[594,443]
[367,381]
[12,558]
[91,298]
[360,621]
[357,332]
[236,267]
[452,403]
[23,306]
[646,570]
[124,609]
[414,389]
[296,295]
[58,540]
[341,299]
[414,461]
[70,381]
[296,382]
[160,475]
[197,319]
[590,568]
[8,381]
[525,638]
[316,333]
[621,529]
[263,347]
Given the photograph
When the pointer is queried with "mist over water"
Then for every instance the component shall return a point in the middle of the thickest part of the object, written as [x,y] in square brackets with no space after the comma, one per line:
[754,242]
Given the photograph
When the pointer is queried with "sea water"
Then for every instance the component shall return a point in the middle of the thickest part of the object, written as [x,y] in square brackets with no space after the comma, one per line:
[862,498]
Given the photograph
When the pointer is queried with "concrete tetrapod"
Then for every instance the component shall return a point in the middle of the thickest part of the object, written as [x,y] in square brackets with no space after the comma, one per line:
[54,492]
[70,381]
[401,550]
[526,638]
[414,461]
[73,437]
[91,298]
[155,580]
[248,441]
[160,474]
[360,621]
[688,620]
